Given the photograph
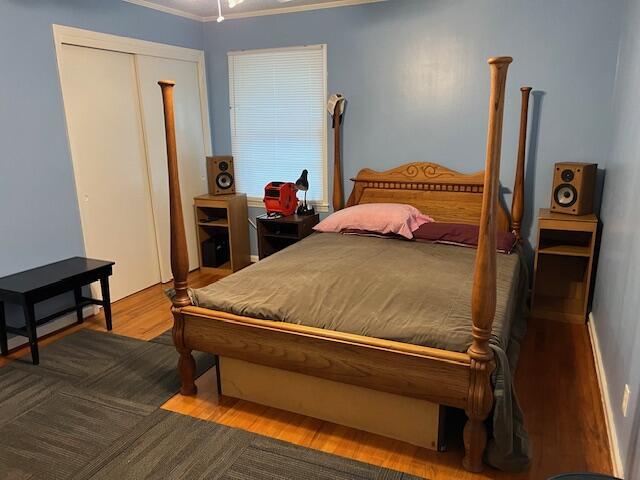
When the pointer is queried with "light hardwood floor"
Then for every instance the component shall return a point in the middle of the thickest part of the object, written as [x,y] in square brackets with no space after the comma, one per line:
[556,384]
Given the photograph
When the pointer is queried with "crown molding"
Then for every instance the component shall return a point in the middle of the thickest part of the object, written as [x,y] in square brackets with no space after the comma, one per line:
[169,10]
[256,13]
[293,9]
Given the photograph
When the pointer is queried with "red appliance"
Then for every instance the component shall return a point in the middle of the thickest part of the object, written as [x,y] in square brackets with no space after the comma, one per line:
[280,197]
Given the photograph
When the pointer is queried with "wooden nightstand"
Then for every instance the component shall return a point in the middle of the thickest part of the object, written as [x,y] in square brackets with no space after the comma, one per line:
[563,266]
[223,232]
[274,234]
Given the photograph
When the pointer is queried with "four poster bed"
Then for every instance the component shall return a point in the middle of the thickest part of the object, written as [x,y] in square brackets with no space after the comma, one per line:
[432,369]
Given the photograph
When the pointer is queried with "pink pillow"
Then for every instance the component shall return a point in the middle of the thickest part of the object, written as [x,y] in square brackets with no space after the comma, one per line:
[376,217]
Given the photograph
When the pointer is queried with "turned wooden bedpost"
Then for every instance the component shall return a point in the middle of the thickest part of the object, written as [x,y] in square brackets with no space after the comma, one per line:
[517,202]
[338,195]
[483,297]
[179,254]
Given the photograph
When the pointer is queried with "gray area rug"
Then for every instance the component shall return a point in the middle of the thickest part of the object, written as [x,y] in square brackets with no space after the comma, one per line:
[110,364]
[165,338]
[91,411]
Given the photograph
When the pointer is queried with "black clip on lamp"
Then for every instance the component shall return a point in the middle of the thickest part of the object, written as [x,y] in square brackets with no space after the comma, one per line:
[302,184]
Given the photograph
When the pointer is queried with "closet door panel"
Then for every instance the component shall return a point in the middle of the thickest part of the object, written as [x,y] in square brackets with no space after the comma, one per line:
[108,151]
[190,144]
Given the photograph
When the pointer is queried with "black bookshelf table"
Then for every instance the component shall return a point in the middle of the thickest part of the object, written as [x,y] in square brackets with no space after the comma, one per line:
[32,286]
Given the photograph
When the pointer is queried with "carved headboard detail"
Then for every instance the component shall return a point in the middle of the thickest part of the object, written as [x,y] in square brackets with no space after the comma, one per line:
[442,193]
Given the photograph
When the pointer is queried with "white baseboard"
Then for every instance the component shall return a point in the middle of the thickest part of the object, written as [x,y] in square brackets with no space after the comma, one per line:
[16,341]
[616,461]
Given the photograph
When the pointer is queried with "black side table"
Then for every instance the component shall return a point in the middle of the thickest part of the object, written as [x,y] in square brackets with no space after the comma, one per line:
[274,234]
[32,286]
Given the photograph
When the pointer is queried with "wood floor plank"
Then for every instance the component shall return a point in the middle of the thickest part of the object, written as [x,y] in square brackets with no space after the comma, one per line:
[556,383]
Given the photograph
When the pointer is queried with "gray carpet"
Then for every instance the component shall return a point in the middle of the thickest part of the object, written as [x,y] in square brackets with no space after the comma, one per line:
[212,451]
[90,411]
[113,365]
[62,434]
[165,338]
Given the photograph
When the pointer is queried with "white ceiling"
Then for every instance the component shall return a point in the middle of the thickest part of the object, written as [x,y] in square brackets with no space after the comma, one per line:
[208,9]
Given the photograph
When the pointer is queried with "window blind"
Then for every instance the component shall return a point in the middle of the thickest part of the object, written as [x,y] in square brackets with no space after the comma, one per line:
[278,118]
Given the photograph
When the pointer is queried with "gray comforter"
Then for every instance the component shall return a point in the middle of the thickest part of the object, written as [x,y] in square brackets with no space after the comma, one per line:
[392,289]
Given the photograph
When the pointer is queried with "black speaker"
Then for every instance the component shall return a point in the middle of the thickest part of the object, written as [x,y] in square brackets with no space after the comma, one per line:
[215,250]
[221,176]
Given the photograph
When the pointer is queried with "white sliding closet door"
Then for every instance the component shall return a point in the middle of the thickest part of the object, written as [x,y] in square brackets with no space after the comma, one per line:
[190,141]
[108,150]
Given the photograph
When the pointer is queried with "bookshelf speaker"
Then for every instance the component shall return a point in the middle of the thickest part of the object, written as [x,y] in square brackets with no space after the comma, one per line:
[574,186]
[220,175]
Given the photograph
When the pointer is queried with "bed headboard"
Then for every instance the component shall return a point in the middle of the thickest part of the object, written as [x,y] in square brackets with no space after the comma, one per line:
[446,195]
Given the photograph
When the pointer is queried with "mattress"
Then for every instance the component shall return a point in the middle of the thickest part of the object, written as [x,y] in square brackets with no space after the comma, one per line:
[391,289]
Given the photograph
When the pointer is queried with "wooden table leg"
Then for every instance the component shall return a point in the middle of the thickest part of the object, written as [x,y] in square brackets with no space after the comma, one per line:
[4,346]
[218,374]
[106,299]
[77,294]
[30,320]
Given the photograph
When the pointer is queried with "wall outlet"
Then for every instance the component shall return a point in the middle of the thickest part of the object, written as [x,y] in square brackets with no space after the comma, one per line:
[625,400]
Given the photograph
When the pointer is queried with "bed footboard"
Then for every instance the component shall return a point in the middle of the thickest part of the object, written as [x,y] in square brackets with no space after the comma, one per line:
[409,370]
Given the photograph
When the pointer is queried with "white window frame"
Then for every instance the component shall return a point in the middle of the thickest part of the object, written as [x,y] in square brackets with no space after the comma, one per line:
[320,205]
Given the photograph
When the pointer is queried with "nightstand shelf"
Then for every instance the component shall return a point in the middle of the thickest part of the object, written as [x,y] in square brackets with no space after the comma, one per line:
[222,227]
[568,250]
[563,266]
[214,223]
[290,236]
[569,309]
[275,234]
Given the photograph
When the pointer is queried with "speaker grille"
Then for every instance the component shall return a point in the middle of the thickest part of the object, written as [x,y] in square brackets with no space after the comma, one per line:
[224,180]
[565,195]
[567,175]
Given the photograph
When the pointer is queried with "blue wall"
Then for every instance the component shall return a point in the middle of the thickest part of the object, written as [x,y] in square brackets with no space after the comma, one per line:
[414,72]
[39,217]
[616,306]
[415,75]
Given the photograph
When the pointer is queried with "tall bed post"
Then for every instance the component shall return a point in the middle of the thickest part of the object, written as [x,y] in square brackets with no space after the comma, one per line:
[517,202]
[179,253]
[483,297]
[338,196]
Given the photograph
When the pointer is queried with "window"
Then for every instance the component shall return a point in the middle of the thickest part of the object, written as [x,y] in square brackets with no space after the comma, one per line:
[278,119]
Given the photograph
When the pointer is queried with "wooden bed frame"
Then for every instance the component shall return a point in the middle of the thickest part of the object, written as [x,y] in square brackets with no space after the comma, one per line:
[460,380]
